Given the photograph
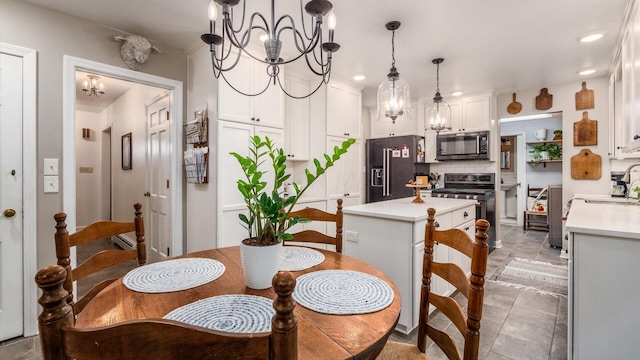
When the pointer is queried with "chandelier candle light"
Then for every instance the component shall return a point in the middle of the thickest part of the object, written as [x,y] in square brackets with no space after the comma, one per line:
[234,40]
[438,113]
[393,94]
[93,86]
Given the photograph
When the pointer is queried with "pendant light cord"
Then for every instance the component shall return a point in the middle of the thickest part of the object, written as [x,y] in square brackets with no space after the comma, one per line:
[437,78]
[393,48]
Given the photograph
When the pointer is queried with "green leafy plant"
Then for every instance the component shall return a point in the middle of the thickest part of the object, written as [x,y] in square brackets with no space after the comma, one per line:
[553,150]
[267,221]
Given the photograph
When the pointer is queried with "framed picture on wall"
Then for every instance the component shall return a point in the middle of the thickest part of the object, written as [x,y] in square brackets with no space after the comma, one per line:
[126,151]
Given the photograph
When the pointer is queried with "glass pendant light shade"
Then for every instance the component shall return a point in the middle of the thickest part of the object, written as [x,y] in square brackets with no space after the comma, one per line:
[394,98]
[393,94]
[438,113]
[438,116]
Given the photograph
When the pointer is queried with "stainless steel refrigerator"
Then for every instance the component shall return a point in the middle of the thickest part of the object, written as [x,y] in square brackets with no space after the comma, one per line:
[554,215]
[391,163]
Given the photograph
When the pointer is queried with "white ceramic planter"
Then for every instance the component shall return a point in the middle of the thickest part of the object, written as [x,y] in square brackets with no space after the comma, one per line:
[259,264]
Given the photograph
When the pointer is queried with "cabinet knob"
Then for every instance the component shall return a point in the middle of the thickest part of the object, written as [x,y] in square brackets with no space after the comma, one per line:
[293,155]
[253,119]
[258,119]
[466,214]
[467,228]
[437,224]
[636,137]
[147,194]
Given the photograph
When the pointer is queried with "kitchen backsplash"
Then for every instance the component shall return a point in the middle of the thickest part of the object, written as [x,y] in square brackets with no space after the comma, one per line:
[472,166]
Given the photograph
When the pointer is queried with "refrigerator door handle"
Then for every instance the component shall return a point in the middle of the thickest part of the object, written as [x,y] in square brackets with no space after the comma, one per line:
[477,144]
[384,172]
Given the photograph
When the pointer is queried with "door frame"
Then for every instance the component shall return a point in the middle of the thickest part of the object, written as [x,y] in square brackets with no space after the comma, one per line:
[29,183]
[521,172]
[70,66]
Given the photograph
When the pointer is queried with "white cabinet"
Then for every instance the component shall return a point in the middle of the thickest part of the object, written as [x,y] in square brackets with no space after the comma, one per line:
[296,144]
[471,113]
[344,178]
[344,111]
[235,137]
[249,76]
[430,146]
[413,124]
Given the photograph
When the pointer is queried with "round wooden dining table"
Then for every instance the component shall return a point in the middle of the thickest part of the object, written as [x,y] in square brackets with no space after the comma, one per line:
[320,336]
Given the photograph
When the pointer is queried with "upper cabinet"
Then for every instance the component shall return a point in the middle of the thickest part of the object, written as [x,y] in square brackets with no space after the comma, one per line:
[471,113]
[412,124]
[624,87]
[249,76]
[344,111]
[296,144]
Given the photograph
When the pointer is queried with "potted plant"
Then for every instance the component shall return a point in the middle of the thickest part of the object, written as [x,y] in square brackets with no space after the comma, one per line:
[554,150]
[267,221]
[539,153]
[557,135]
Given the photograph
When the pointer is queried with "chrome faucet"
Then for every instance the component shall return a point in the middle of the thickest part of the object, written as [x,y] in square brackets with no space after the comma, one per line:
[627,174]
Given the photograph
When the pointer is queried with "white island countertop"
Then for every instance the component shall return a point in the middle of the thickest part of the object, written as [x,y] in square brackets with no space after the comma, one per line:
[405,210]
[603,215]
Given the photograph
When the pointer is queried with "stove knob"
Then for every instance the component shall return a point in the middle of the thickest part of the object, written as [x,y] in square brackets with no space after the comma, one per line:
[475,197]
[456,196]
[468,197]
[445,195]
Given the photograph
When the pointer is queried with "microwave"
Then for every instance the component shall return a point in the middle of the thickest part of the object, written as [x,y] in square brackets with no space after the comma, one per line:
[463,146]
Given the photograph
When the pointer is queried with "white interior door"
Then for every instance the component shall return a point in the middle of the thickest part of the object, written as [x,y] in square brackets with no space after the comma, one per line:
[158,220]
[11,234]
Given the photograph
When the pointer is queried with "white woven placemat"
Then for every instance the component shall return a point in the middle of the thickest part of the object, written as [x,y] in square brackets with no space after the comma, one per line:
[342,292]
[228,313]
[294,258]
[173,275]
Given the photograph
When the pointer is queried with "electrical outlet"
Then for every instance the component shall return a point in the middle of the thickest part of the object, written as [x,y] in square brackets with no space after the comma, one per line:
[351,236]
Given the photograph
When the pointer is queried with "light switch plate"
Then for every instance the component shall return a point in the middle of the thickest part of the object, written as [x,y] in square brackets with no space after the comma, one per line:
[51,184]
[50,166]
[351,236]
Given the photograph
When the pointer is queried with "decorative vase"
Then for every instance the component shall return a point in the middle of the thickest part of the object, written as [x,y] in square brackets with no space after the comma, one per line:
[544,155]
[259,264]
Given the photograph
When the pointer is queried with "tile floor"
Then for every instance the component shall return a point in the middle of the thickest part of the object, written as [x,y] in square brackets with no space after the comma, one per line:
[516,324]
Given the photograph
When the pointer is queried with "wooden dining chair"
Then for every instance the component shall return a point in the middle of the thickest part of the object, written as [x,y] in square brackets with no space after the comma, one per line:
[471,287]
[536,219]
[159,339]
[102,260]
[313,236]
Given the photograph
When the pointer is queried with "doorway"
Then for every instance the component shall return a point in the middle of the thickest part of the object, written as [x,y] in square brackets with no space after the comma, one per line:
[71,167]
[512,176]
[18,184]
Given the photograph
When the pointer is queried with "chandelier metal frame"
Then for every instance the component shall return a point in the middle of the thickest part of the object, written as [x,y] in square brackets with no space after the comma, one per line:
[91,87]
[306,41]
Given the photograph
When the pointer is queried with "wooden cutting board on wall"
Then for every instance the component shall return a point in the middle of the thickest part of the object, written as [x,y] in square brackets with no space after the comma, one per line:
[544,101]
[585,131]
[515,106]
[584,98]
[586,166]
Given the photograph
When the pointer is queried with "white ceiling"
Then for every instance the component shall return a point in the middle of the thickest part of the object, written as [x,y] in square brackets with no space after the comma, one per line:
[504,45]
[113,89]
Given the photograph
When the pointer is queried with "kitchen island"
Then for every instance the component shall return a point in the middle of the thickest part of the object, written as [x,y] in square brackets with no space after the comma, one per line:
[390,236]
[604,249]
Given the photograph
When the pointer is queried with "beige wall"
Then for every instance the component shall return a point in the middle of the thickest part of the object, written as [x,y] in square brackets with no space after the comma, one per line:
[88,154]
[54,35]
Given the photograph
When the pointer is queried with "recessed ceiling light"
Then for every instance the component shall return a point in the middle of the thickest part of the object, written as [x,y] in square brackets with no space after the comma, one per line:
[587,72]
[457,93]
[590,38]
[359,77]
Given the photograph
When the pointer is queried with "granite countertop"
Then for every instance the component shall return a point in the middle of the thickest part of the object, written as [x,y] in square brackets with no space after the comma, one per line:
[405,210]
[604,215]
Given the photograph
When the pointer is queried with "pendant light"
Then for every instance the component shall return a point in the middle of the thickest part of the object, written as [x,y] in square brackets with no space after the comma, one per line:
[393,94]
[438,113]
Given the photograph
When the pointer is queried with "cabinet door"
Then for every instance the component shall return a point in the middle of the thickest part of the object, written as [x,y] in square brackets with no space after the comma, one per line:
[456,116]
[277,136]
[232,105]
[470,228]
[475,113]
[352,169]
[335,175]
[230,230]
[430,146]
[353,114]
[268,106]
[418,258]
[438,285]
[297,121]
[232,137]
[335,110]
[627,89]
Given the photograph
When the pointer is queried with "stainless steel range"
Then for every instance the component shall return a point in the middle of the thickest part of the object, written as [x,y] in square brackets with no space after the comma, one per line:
[479,187]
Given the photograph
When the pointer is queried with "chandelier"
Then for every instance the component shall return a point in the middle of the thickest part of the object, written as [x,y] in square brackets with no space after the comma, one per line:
[438,113]
[235,38]
[393,94]
[93,86]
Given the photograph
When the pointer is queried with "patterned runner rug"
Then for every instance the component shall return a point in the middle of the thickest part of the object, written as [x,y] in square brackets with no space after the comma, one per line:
[545,278]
